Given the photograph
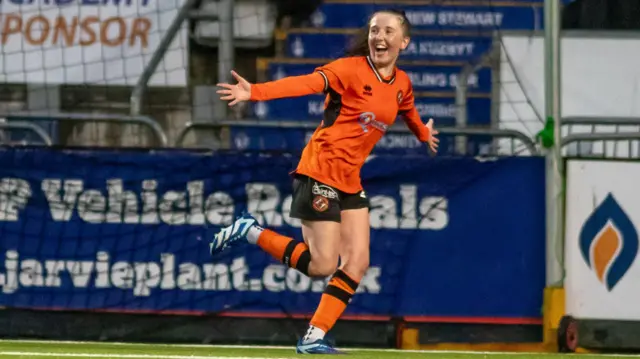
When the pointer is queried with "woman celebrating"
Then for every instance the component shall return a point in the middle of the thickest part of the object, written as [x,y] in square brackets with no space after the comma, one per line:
[365,94]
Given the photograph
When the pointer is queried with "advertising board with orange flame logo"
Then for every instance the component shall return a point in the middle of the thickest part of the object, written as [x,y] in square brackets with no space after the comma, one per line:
[601,239]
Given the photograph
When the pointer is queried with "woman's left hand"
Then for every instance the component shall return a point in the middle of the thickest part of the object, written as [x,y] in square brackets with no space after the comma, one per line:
[433,140]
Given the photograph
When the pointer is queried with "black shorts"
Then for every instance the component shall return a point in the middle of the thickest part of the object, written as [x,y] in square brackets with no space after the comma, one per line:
[315,201]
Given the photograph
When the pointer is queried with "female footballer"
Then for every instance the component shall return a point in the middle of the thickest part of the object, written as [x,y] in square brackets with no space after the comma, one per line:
[365,93]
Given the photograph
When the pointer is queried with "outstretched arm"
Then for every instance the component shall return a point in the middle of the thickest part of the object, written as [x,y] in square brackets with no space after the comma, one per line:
[424,133]
[292,86]
[331,76]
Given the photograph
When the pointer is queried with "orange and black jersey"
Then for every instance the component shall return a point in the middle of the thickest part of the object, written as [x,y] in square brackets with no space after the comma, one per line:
[359,108]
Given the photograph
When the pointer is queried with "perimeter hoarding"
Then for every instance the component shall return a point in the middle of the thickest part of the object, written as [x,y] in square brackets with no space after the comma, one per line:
[602,217]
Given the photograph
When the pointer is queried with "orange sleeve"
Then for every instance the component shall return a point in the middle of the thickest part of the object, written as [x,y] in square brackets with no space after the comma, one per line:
[337,74]
[292,86]
[330,76]
[412,117]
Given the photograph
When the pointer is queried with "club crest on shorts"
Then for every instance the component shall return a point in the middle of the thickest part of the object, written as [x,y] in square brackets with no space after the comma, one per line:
[320,203]
[400,94]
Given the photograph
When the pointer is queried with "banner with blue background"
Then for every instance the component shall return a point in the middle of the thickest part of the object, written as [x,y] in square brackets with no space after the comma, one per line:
[436,77]
[129,231]
[485,16]
[319,44]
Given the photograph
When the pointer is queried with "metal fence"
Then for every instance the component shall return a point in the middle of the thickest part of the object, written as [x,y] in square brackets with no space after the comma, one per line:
[36,122]
[6,128]
[617,137]
[462,140]
[458,135]
[603,137]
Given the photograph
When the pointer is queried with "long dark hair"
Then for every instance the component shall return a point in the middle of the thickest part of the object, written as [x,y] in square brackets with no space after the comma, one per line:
[360,42]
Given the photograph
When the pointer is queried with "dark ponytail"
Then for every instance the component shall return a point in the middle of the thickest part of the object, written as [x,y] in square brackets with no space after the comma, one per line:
[359,46]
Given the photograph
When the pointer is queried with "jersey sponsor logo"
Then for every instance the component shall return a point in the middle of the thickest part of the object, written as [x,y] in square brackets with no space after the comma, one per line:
[320,203]
[400,95]
[368,119]
[324,191]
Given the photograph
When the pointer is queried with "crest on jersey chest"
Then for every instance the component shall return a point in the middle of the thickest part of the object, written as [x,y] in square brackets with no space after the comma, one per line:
[399,96]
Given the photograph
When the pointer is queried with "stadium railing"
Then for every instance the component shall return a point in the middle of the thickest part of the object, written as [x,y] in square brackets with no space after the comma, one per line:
[36,120]
[29,127]
[516,102]
[459,145]
[605,137]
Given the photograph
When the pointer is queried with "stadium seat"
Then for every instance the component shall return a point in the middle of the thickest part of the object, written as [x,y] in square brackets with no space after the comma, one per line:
[253,23]
[260,138]
[446,37]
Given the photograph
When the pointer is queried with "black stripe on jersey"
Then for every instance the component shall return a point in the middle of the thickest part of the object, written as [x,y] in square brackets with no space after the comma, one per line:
[332,111]
[375,71]
[326,81]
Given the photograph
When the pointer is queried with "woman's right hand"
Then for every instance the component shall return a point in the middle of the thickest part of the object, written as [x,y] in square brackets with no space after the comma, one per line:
[235,93]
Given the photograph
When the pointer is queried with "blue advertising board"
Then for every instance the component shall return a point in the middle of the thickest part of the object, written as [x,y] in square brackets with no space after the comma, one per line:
[322,45]
[128,231]
[423,78]
[480,18]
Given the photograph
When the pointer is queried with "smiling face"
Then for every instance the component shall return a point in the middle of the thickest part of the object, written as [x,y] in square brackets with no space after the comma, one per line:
[387,37]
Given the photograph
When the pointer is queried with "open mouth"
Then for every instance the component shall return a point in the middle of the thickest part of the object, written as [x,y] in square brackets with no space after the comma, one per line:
[381,49]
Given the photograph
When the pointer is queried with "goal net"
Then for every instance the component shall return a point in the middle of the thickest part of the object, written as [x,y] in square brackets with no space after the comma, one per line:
[87,57]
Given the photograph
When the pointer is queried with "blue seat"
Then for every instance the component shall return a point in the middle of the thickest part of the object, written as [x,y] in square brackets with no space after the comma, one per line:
[311,108]
[260,138]
[519,15]
[316,43]
[432,78]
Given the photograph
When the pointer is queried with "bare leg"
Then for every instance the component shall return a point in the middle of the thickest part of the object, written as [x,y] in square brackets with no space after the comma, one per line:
[354,252]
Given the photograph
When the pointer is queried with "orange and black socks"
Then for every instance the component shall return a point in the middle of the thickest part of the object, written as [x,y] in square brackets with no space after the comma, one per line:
[334,301]
[287,250]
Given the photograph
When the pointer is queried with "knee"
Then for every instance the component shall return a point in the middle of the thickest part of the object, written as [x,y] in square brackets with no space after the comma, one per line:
[357,265]
[322,268]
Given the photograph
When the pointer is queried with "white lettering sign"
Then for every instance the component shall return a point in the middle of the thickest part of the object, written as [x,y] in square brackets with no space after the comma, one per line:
[456,18]
[118,203]
[142,278]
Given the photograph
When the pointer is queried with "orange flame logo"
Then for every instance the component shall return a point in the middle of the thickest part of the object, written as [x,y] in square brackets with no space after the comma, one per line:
[609,242]
[604,249]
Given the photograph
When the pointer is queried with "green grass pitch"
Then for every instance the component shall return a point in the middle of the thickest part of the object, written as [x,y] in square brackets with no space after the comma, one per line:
[65,350]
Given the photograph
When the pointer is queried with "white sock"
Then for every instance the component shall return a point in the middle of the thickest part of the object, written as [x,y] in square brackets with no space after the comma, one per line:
[313,334]
[254,233]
